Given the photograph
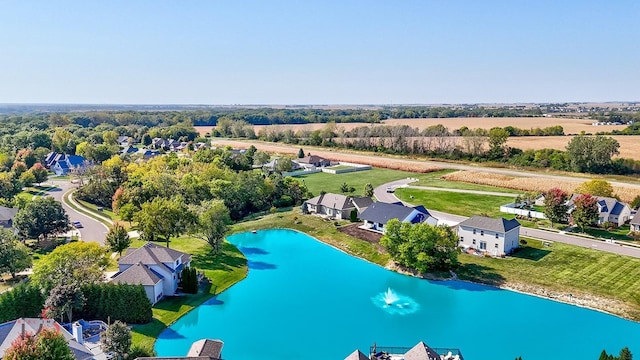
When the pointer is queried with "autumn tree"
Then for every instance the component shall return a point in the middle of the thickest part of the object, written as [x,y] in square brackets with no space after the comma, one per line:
[596,187]
[586,211]
[39,172]
[117,240]
[63,299]
[555,205]
[117,339]
[23,347]
[48,344]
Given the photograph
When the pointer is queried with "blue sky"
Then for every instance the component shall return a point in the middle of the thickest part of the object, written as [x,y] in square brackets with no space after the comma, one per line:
[319,52]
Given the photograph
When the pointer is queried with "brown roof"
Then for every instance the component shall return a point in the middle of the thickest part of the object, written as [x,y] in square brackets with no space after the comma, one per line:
[137,274]
[206,347]
[150,254]
[421,352]
[311,159]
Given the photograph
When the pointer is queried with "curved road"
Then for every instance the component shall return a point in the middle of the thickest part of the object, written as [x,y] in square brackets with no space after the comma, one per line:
[92,230]
[381,194]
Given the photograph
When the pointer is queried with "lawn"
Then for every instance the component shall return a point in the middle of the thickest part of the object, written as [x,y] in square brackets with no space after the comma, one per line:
[615,234]
[561,267]
[454,203]
[105,212]
[223,270]
[433,180]
[36,190]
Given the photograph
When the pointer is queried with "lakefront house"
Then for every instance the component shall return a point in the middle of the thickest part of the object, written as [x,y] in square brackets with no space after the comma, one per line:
[495,237]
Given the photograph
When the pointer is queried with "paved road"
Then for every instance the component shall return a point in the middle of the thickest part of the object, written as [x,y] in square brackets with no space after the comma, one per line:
[381,194]
[92,230]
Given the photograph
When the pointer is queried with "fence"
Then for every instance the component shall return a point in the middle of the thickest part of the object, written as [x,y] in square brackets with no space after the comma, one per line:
[512,209]
[351,168]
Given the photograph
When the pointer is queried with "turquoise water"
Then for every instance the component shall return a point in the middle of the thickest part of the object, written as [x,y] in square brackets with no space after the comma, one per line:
[305,300]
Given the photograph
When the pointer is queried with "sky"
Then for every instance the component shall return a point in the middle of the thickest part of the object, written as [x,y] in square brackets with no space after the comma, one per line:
[319,52]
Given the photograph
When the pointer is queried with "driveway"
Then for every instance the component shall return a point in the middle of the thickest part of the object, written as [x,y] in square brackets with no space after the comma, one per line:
[92,230]
[451,220]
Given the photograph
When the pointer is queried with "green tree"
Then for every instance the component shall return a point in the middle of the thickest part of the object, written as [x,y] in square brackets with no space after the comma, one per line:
[213,223]
[368,190]
[344,187]
[51,345]
[41,218]
[591,153]
[117,239]
[636,202]
[555,205]
[586,211]
[117,339]
[163,218]
[127,212]
[61,139]
[284,164]
[63,299]
[625,354]
[9,185]
[14,256]
[27,178]
[40,172]
[300,153]
[260,158]
[110,137]
[497,139]
[596,187]
[82,262]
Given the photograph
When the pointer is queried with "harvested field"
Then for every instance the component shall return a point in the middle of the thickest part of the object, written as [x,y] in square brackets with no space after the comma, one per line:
[366,235]
[626,194]
[570,126]
[629,145]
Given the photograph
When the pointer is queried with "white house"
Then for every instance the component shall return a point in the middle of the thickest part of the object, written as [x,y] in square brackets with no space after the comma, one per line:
[335,205]
[634,224]
[156,268]
[378,214]
[609,210]
[493,236]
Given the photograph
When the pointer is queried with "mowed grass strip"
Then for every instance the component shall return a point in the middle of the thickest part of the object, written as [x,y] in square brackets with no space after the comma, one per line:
[454,203]
[223,270]
[561,267]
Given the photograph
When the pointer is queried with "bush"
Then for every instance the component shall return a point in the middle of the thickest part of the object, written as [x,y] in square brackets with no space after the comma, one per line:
[284,201]
[24,300]
[189,278]
[353,216]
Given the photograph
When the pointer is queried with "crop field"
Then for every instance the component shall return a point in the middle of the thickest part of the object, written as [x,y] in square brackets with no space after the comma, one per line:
[531,183]
[629,144]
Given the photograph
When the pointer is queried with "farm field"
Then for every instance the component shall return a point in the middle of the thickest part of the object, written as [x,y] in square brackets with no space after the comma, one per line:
[629,145]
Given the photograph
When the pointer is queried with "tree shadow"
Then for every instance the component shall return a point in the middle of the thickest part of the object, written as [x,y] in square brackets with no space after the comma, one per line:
[530,253]
[169,333]
[252,250]
[480,274]
[227,259]
[261,265]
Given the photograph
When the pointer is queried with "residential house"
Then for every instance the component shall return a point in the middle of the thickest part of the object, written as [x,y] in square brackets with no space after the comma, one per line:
[128,150]
[539,200]
[420,351]
[81,350]
[378,214]
[361,203]
[314,160]
[147,154]
[334,205]
[156,268]
[609,210]
[6,217]
[205,349]
[272,165]
[125,141]
[62,164]
[634,224]
[496,237]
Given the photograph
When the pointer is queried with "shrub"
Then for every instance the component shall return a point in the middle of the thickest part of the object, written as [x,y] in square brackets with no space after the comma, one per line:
[189,278]
[128,303]
[24,300]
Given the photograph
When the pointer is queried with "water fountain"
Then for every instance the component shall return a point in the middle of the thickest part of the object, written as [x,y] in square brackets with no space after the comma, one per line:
[395,303]
[390,297]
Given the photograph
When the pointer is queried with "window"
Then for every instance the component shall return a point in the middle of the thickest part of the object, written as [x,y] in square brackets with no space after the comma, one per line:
[497,235]
[483,245]
[474,231]
[481,232]
[461,238]
[496,246]
[474,241]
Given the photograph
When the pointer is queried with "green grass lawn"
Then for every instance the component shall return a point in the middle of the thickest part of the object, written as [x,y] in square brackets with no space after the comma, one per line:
[85,210]
[615,234]
[331,183]
[224,270]
[454,203]
[561,267]
[106,212]
[36,190]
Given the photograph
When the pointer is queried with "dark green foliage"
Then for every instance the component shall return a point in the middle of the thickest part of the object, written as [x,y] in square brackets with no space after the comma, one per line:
[116,339]
[300,153]
[625,354]
[139,351]
[25,300]
[353,217]
[189,277]
[41,218]
[128,303]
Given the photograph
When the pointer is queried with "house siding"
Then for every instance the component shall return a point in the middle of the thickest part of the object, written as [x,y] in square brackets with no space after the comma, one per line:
[505,242]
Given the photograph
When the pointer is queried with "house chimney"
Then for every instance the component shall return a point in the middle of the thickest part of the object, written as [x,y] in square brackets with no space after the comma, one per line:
[76,328]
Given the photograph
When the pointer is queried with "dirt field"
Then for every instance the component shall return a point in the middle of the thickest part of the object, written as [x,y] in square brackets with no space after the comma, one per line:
[629,145]
[362,234]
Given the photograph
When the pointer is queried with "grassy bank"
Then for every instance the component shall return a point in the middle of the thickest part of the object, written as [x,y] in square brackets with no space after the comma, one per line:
[223,270]
[563,268]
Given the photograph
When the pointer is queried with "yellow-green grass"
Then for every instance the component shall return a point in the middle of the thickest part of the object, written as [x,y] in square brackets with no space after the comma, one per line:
[93,208]
[84,210]
[223,270]
[323,230]
[561,267]
[454,203]
[433,180]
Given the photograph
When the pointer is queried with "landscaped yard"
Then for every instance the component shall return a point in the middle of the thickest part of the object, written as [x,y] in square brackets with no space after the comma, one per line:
[561,267]
[36,190]
[224,270]
[615,234]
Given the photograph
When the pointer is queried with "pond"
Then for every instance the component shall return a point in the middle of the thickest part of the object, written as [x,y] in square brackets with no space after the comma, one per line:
[303,299]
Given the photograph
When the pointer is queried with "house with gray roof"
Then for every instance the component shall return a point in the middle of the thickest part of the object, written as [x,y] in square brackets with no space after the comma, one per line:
[609,210]
[205,349]
[492,236]
[634,224]
[156,268]
[6,216]
[12,330]
[420,351]
[335,206]
[379,213]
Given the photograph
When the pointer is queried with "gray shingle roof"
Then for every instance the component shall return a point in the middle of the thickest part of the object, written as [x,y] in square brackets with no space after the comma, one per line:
[362,201]
[380,212]
[357,355]
[151,253]
[500,225]
[607,206]
[636,219]
[421,352]
[206,347]
[137,274]
[7,213]
[332,201]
